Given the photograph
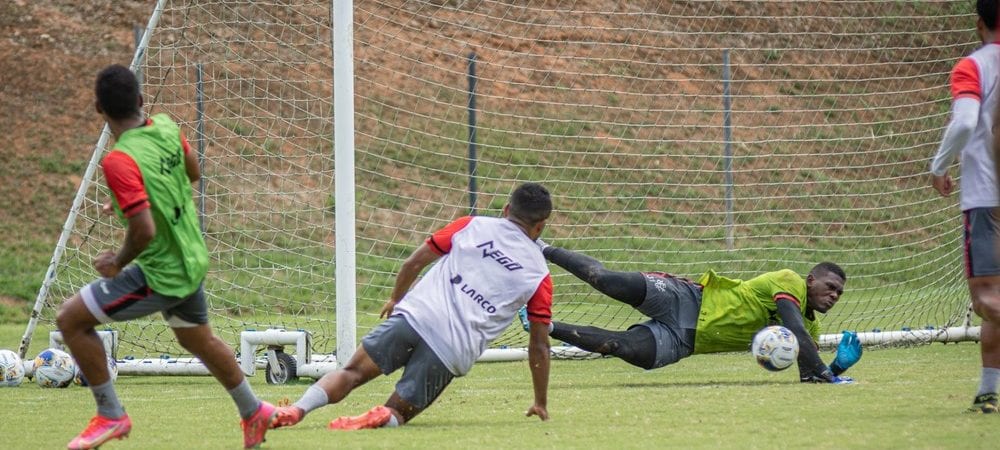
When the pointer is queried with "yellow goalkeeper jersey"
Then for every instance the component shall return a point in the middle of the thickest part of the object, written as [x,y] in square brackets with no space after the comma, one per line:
[732,311]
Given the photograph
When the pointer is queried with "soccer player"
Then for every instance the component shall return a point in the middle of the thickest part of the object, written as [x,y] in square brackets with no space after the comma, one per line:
[160,266]
[485,269]
[715,314]
[974,101]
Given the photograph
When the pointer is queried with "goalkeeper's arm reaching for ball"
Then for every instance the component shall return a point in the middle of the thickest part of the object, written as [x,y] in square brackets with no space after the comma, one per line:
[811,366]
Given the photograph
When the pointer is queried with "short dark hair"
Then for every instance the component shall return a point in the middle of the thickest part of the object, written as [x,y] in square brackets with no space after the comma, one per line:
[117,92]
[987,10]
[531,203]
[826,267]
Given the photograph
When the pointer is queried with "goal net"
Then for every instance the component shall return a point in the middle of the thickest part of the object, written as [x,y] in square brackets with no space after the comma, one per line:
[744,136]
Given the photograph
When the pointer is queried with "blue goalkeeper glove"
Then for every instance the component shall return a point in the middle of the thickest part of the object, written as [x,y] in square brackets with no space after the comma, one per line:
[826,376]
[842,380]
[848,353]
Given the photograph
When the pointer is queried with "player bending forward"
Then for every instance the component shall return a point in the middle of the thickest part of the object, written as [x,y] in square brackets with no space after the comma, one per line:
[716,314]
[486,269]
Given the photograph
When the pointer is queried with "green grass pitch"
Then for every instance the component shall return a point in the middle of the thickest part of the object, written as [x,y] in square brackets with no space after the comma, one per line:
[904,398]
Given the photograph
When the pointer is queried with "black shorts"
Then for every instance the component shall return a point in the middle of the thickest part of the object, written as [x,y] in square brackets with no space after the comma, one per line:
[673,305]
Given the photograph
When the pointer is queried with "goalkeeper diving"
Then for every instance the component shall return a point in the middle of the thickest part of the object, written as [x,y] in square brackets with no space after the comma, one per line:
[714,314]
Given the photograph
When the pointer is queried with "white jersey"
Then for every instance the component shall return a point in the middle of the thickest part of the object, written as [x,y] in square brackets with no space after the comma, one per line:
[490,268]
[973,78]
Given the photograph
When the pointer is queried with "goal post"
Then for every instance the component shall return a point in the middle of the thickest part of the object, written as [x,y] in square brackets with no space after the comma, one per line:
[674,136]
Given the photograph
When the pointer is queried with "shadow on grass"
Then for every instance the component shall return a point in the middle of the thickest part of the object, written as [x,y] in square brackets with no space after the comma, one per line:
[656,384]
[676,384]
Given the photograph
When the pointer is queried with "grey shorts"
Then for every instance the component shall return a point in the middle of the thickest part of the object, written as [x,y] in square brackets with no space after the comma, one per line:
[394,344]
[982,238]
[127,296]
[672,304]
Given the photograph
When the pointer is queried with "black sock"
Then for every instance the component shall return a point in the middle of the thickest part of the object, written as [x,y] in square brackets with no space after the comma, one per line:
[626,287]
[637,346]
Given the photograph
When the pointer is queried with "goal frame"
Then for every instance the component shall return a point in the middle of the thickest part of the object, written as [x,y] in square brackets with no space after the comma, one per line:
[342,39]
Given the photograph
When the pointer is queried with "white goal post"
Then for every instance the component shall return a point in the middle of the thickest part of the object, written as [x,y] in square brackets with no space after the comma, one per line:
[740,136]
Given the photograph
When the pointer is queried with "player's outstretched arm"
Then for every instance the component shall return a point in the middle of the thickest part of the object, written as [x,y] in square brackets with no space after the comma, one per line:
[811,366]
[408,273]
[538,360]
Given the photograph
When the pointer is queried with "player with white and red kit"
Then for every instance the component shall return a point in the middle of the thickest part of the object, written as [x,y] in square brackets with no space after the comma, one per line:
[974,83]
[485,269]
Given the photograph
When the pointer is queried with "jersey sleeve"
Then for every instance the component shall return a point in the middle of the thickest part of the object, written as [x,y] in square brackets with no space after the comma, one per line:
[185,145]
[965,80]
[125,181]
[540,304]
[440,241]
[782,286]
[787,296]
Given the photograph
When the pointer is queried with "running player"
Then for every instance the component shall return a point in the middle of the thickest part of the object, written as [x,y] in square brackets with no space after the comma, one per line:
[159,268]
[486,269]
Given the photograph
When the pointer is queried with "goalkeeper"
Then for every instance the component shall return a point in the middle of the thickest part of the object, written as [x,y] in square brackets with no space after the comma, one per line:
[715,314]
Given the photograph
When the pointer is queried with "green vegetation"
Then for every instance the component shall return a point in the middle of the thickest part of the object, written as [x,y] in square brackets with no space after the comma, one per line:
[22,267]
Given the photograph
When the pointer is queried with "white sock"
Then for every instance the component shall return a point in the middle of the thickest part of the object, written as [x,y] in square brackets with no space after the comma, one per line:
[314,397]
[989,380]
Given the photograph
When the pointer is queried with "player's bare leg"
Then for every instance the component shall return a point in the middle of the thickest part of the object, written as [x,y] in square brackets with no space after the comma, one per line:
[985,293]
[217,356]
[220,360]
[76,324]
[331,388]
[358,371]
[402,409]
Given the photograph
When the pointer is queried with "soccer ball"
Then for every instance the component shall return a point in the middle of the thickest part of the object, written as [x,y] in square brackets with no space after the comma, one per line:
[54,368]
[80,380]
[11,369]
[775,348]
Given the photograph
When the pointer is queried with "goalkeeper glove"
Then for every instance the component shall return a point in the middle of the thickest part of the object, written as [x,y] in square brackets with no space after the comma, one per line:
[522,316]
[826,376]
[848,353]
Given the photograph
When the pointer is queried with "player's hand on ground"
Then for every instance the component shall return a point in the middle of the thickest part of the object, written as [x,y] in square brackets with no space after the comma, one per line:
[943,184]
[539,411]
[387,309]
[105,264]
[848,352]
